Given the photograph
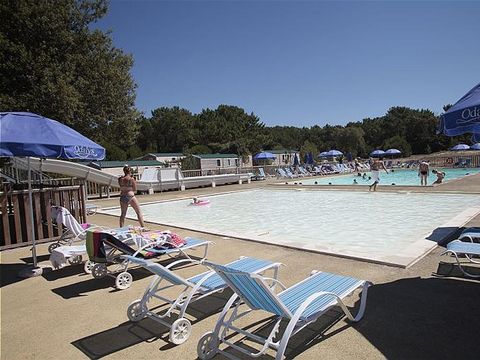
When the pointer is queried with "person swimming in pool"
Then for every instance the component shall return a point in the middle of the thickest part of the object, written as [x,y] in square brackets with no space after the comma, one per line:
[128,186]
[440,176]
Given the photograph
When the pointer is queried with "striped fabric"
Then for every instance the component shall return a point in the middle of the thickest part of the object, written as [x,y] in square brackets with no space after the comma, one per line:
[251,291]
[248,264]
[460,247]
[340,285]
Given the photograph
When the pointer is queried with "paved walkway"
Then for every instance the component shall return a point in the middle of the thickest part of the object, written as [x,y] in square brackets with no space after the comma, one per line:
[411,314]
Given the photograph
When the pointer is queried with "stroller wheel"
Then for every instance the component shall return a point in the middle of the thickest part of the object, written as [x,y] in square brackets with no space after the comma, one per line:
[88,266]
[136,311]
[75,260]
[207,346]
[123,280]
[52,247]
[99,271]
[180,331]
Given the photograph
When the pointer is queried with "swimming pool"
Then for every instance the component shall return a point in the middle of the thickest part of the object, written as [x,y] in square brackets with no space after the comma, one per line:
[397,177]
[383,227]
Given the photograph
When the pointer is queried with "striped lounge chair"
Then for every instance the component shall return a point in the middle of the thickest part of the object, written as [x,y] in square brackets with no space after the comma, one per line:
[459,248]
[299,305]
[190,290]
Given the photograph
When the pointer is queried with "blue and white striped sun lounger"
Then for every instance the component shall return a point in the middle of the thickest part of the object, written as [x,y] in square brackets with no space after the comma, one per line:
[190,290]
[470,234]
[468,249]
[300,305]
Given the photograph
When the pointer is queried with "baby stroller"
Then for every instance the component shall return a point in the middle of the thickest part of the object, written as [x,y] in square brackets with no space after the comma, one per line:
[105,250]
[71,229]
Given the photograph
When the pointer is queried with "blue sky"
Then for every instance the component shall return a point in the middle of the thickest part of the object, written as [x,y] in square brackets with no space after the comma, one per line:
[299,63]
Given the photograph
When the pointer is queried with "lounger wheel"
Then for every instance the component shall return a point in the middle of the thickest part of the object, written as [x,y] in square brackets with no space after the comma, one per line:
[207,347]
[52,247]
[180,331]
[99,271]
[136,311]
[75,260]
[88,266]
[123,280]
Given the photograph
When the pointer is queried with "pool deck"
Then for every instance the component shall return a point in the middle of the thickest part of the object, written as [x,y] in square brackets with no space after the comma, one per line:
[411,313]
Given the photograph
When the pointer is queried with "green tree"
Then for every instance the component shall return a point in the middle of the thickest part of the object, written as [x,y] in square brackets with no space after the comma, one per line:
[53,63]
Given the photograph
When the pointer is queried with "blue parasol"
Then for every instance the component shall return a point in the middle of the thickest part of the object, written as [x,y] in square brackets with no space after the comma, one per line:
[377,153]
[334,152]
[28,134]
[310,159]
[323,154]
[393,152]
[460,147]
[264,156]
[295,160]
[475,146]
[464,116]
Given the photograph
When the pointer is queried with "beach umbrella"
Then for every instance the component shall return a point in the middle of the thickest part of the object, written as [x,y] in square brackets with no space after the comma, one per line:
[310,158]
[295,160]
[334,152]
[464,116]
[475,146]
[460,147]
[264,156]
[25,134]
[377,153]
[393,152]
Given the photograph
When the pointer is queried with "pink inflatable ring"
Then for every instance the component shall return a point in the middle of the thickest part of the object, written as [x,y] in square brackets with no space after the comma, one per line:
[200,203]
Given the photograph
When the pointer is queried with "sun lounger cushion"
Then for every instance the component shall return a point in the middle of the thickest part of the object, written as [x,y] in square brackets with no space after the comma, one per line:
[340,285]
[461,247]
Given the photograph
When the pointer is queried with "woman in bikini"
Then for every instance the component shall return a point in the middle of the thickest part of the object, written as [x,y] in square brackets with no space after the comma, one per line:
[128,186]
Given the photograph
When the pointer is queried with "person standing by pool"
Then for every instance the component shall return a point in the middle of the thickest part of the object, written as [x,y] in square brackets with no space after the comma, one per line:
[375,167]
[128,186]
[423,169]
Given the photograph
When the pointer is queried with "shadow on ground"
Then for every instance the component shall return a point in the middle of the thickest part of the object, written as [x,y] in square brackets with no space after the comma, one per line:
[415,318]
[89,283]
[308,337]
[128,334]
[451,269]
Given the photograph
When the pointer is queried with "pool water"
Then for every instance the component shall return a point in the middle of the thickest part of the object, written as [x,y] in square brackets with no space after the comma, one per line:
[397,177]
[384,227]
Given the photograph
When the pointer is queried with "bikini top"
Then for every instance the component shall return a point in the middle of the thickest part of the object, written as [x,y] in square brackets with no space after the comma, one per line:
[126,185]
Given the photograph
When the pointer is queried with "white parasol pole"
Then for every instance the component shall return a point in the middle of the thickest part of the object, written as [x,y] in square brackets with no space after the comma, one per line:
[34,252]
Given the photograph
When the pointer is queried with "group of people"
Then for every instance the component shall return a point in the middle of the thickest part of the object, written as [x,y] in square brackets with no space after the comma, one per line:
[423,171]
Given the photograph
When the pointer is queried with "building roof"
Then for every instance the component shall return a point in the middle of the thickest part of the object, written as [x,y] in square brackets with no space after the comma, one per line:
[166,154]
[216,156]
[281,151]
[121,164]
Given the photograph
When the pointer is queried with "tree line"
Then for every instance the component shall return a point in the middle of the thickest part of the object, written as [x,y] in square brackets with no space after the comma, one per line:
[55,63]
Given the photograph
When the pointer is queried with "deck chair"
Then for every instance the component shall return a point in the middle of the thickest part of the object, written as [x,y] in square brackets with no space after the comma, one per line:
[470,234]
[106,249]
[261,174]
[190,290]
[459,248]
[290,174]
[300,305]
